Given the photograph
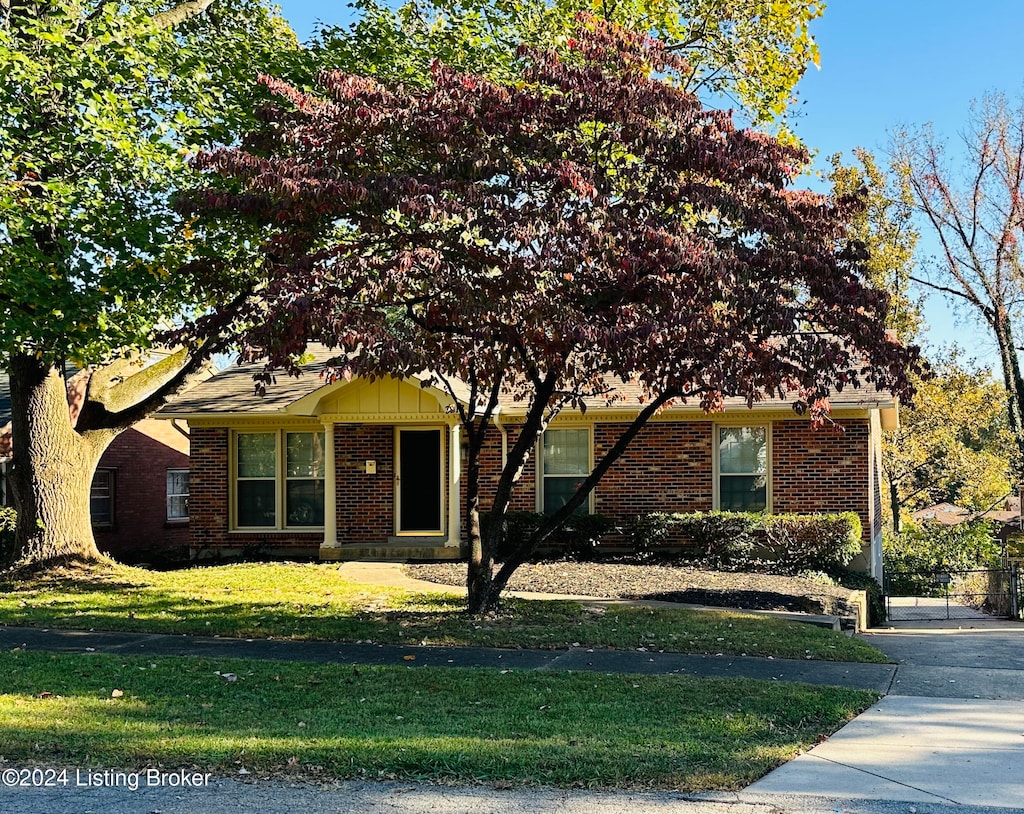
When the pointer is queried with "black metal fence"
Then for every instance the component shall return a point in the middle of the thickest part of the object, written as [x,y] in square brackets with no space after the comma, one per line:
[968,594]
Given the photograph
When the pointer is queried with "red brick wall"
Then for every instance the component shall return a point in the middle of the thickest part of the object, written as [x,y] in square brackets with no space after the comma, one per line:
[140,458]
[524,492]
[208,501]
[209,509]
[821,470]
[365,502]
[667,468]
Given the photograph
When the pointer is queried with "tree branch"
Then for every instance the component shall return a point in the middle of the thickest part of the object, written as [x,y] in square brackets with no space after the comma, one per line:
[179,14]
[96,416]
[947,290]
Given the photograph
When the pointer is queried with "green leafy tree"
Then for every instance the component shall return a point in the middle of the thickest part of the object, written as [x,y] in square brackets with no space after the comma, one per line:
[920,550]
[101,105]
[749,53]
[886,228]
[953,444]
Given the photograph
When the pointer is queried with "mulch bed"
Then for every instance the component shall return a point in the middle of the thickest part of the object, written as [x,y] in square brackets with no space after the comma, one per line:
[668,583]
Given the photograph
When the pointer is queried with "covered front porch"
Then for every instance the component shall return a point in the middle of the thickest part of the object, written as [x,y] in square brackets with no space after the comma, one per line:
[392,453]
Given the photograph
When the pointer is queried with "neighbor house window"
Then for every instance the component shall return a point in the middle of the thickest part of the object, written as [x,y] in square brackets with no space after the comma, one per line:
[279,479]
[742,469]
[565,463]
[177,494]
[101,499]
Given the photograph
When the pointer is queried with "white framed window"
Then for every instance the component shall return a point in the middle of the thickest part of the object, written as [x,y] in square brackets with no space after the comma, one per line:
[279,480]
[177,494]
[101,499]
[565,461]
[742,468]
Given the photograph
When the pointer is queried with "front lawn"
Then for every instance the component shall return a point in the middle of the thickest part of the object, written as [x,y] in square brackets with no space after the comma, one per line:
[287,600]
[469,726]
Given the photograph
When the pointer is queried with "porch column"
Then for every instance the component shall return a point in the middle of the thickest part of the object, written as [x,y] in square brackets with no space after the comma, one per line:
[330,490]
[454,480]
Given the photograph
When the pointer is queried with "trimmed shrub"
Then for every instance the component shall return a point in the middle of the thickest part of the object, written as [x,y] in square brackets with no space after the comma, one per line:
[786,543]
[715,539]
[581,535]
[821,542]
[518,528]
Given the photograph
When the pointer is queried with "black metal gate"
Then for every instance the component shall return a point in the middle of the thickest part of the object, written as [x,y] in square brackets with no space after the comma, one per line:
[973,594]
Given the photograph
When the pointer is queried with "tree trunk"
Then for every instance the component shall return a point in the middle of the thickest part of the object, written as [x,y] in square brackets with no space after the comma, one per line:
[1014,384]
[481,556]
[894,504]
[52,468]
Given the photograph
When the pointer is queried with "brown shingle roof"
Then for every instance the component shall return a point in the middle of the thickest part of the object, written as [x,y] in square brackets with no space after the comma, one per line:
[233,391]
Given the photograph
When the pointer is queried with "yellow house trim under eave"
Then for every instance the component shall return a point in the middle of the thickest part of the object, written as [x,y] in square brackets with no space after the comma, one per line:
[236,420]
[694,414]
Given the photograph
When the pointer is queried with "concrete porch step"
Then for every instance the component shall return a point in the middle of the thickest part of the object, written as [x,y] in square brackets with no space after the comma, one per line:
[389,552]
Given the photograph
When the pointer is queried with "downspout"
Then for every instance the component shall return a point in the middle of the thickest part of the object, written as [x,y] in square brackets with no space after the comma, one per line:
[504,436]
[182,430]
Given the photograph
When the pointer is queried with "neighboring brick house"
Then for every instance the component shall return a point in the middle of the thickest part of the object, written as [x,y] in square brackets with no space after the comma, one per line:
[139,494]
[371,470]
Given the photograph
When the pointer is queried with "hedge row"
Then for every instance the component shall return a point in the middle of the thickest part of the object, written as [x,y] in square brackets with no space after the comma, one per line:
[780,543]
[776,543]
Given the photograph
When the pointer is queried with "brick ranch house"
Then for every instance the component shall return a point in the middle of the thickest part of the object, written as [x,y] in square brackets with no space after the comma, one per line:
[371,470]
[139,494]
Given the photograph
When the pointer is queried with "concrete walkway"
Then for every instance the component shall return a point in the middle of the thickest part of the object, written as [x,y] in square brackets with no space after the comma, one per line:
[950,732]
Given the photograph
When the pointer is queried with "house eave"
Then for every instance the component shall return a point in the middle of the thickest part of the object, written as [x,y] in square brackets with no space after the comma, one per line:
[603,415]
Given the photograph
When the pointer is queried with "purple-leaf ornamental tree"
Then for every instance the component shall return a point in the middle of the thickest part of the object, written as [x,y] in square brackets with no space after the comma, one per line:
[589,224]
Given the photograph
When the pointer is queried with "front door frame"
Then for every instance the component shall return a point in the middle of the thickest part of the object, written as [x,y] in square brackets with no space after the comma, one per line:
[442,491]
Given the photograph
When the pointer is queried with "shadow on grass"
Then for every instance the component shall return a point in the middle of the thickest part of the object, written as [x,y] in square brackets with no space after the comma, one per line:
[750,600]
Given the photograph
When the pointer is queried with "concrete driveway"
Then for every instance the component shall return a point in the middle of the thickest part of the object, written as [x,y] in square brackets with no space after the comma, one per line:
[950,732]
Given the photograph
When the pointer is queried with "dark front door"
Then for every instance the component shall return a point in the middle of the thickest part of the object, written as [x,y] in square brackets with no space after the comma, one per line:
[419,481]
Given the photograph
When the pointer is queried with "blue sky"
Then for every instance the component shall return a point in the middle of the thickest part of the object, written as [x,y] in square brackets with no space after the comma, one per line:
[884,63]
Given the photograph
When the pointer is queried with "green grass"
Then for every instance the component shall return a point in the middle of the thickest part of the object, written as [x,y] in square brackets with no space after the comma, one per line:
[287,600]
[467,726]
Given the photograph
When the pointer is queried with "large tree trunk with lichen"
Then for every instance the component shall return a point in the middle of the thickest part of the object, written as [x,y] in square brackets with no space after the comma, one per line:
[52,468]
